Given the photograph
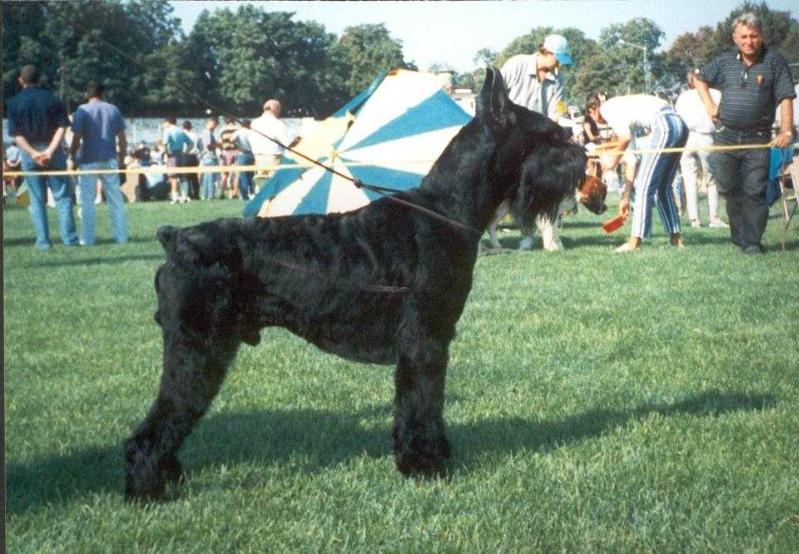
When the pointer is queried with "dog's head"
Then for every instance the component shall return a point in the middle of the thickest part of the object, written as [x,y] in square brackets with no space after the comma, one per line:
[591,193]
[535,157]
[551,172]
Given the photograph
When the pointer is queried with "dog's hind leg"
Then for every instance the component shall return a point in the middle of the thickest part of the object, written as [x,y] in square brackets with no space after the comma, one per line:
[420,444]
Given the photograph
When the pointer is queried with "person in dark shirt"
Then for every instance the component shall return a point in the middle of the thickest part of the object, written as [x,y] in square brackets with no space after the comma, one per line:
[590,125]
[37,121]
[753,81]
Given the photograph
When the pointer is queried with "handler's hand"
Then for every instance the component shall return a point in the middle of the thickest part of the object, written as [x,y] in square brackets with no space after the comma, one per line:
[42,159]
[782,140]
[624,207]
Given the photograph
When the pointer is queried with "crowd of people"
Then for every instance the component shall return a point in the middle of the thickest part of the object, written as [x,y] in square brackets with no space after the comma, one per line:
[235,144]
[93,142]
[731,100]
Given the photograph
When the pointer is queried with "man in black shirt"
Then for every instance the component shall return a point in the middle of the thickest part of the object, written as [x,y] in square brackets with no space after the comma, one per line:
[753,81]
[37,121]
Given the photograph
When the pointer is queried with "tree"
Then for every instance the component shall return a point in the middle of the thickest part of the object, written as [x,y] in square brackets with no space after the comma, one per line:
[362,52]
[69,52]
[250,55]
[690,50]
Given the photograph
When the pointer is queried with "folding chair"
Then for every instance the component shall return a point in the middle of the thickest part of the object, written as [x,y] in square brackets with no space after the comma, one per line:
[789,189]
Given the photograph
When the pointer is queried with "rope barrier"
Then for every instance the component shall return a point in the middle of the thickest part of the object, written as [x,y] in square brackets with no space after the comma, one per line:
[202,169]
[595,154]
[196,169]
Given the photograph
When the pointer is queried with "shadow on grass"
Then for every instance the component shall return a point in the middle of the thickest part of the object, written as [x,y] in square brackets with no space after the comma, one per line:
[600,239]
[98,261]
[29,241]
[323,439]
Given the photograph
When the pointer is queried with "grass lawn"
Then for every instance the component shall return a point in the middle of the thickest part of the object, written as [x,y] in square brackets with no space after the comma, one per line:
[596,402]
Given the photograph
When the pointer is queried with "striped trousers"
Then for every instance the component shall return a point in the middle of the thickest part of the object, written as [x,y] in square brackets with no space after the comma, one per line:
[655,174]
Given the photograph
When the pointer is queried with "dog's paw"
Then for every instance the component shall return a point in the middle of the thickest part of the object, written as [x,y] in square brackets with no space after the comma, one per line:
[146,479]
[422,457]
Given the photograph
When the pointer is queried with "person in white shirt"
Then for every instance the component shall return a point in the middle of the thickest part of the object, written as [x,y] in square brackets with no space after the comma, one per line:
[690,108]
[650,124]
[268,153]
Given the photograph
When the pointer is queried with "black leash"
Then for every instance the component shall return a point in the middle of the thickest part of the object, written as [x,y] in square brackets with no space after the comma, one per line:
[385,192]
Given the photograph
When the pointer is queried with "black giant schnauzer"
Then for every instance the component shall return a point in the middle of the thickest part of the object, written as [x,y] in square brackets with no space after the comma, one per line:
[383,284]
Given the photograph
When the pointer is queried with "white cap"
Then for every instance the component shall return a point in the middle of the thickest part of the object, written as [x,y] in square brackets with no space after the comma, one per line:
[558,45]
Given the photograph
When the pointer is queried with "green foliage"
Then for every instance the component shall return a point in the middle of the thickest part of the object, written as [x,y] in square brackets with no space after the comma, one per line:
[362,52]
[234,59]
[689,51]
[595,403]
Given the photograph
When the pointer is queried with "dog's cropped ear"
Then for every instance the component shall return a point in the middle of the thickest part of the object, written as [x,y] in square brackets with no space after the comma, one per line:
[492,104]
[167,236]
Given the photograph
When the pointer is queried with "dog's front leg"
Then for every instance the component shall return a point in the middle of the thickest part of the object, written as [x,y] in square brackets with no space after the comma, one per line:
[193,374]
[420,445]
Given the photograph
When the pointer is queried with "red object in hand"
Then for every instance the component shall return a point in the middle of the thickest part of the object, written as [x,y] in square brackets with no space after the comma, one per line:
[614,224]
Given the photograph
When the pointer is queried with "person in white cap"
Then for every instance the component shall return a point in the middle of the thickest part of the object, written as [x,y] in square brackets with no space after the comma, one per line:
[533,82]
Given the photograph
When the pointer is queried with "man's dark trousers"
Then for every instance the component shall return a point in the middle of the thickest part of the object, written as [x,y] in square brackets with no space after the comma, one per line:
[742,176]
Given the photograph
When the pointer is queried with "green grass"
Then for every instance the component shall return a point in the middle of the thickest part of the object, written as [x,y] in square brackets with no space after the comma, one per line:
[595,402]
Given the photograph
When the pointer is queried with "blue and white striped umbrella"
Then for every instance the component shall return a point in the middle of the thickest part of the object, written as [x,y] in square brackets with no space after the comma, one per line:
[402,123]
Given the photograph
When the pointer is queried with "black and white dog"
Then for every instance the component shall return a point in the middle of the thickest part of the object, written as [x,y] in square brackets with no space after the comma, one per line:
[591,193]
[383,284]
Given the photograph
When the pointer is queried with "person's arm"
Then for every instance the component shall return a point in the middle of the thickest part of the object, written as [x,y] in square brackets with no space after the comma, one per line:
[588,132]
[39,156]
[611,162]
[556,106]
[785,134]
[122,147]
[75,146]
[704,93]
[25,146]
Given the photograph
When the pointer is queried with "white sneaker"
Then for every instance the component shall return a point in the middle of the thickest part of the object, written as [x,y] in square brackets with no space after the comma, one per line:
[98,200]
[526,243]
[626,247]
[695,223]
[718,224]
[173,198]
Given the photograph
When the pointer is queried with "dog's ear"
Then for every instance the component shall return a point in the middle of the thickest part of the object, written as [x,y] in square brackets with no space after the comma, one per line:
[166,236]
[493,102]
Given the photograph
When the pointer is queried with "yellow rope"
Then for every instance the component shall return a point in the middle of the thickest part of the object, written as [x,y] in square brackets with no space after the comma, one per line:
[279,167]
[596,154]
[198,169]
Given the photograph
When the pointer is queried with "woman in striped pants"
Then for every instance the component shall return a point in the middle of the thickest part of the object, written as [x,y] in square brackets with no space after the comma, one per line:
[649,124]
